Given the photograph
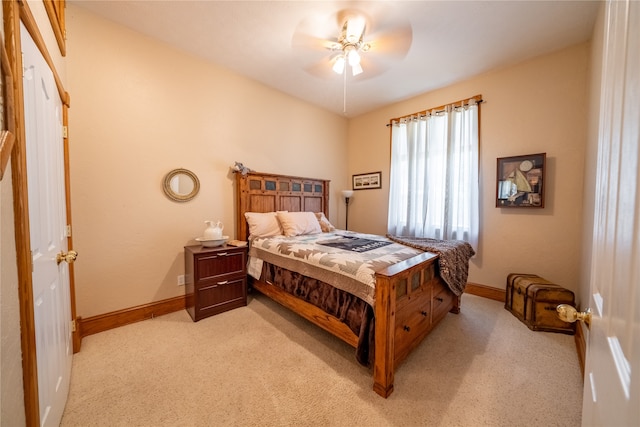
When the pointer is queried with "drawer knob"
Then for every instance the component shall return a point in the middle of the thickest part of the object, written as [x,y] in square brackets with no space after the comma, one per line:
[406,328]
[424,313]
[223,282]
[439,299]
[223,254]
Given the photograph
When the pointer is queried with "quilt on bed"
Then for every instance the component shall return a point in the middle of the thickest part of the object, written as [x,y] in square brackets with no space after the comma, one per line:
[345,259]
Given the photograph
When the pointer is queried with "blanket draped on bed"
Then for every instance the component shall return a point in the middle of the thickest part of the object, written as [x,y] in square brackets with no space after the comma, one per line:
[345,259]
[454,256]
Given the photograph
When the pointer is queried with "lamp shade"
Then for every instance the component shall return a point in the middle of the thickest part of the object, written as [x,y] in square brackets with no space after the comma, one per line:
[347,193]
[352,55]
[338,66]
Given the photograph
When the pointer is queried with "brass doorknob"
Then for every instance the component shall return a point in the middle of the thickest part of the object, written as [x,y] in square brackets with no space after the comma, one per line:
[68,257]
[569,314]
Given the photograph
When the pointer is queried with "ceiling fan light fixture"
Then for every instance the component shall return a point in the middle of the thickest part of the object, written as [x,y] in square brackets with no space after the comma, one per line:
[350,43]
[339,64]
[352,55]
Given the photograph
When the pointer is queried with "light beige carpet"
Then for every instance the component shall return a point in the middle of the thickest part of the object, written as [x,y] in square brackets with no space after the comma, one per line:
[263,365]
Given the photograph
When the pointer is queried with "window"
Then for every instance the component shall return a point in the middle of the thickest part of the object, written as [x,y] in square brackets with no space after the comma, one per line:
[434,175]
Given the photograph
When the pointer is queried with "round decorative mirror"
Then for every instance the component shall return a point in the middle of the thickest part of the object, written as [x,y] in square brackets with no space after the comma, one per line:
[181,185]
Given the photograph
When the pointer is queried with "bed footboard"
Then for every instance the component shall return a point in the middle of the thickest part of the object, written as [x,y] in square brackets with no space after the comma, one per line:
[309,311]
[411,299]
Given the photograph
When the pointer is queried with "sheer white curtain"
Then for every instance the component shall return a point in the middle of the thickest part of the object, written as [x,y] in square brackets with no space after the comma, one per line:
[434,175]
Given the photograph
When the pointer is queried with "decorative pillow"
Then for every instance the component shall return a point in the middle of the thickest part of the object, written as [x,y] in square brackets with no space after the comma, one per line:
[298,223]
[325,225]
[263,224]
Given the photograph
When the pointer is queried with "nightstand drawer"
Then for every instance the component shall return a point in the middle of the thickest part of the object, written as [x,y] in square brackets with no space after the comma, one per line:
[222,295]
[218,264]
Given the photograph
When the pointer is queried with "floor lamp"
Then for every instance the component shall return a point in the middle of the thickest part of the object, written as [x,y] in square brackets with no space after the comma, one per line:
[347,194]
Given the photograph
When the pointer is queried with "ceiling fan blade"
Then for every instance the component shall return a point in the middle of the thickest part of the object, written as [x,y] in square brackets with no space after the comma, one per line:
[355,28]
[318,26]
[314,42]
[308,41]
[394,42]
[322,69]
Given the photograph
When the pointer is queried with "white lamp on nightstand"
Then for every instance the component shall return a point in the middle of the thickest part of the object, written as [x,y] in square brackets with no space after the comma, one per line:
[347,194]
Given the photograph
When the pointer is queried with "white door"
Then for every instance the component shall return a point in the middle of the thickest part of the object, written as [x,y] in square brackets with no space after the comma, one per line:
[612,372]
[47,223]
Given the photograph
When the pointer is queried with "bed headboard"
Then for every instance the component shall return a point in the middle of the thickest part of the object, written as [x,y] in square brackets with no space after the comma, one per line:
[266,192]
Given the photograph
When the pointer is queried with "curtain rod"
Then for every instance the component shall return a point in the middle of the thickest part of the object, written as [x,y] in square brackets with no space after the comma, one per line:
[440,109]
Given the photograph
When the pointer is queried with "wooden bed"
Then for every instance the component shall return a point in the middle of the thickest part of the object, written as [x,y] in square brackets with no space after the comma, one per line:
[410,297]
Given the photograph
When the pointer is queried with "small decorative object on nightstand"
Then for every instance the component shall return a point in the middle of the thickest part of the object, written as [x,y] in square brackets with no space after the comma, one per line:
[215,279]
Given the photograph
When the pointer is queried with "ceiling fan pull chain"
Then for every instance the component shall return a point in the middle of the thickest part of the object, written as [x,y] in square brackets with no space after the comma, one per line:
[344,94]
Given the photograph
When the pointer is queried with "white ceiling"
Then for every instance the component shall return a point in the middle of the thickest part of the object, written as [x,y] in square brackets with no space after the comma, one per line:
[449,41]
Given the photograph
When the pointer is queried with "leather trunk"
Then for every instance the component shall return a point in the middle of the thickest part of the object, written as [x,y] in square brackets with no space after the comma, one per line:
[533,300]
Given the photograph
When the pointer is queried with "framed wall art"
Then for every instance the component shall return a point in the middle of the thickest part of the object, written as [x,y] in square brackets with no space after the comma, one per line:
[520,181]
[366,181]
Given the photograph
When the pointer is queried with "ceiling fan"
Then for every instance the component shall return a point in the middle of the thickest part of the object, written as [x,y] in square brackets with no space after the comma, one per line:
[350,44]
[364,43]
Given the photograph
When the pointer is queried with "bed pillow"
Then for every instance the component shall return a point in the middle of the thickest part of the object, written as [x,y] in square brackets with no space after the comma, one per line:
[325,225]
[263,224]
[299,223]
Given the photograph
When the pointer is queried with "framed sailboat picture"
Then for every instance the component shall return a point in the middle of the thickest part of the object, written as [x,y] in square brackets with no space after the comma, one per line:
[520,181]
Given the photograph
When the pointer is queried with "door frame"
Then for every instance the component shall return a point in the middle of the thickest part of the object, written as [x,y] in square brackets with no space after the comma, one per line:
[15,12]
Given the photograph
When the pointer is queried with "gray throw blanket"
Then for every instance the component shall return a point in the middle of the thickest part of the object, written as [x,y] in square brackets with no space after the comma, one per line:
[453,257]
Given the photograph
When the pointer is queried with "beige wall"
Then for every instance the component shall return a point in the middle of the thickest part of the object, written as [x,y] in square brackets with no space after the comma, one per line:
[139,109]
[537,106]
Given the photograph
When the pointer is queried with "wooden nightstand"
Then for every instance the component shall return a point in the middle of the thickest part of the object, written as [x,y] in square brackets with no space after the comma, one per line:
[215,279]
